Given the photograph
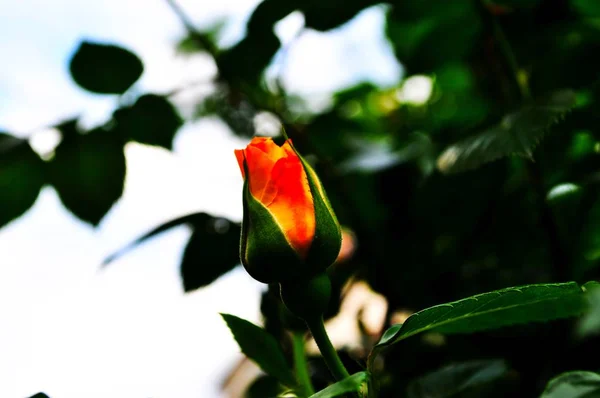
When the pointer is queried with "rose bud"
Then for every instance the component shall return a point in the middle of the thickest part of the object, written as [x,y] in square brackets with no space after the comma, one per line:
[289,229]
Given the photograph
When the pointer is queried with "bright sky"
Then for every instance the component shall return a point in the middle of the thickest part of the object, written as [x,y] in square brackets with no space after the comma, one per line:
[73,331]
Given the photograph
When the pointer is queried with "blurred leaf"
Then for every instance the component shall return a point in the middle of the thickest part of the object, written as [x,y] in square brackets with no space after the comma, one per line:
[151,120]
[260,347]
[518,133]
[588,8]
[21,177]
[456,379]
[88,173]
[326,15]
[39,395]
[105,68]
[212,250]
[513,305]
[244,63]
[576,384]
[349,384]
[264,387]
[590,323]
[425,35]
[192,218]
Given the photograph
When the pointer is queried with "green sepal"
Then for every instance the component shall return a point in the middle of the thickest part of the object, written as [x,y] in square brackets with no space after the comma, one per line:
[307,298]
[328,234]
[264,251]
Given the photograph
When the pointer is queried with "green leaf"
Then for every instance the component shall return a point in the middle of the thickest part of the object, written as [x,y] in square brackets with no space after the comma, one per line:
[349,384]
[426,35]
[21,177]
[254,52]
[524,304]
[458,378]
[39,395]
[577,384]
[88,173]
[260,347]
[192,218]
[212,251]
[105,68]
[151,120]
[518,133]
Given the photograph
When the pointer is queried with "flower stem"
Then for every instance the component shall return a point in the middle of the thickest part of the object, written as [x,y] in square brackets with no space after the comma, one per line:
[519,75]
[333,361]
[300,365]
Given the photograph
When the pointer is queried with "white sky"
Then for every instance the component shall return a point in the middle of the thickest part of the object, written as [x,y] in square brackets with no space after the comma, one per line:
[73,331]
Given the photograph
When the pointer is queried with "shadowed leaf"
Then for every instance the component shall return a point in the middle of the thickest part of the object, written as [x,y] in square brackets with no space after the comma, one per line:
[187,219]
[456,379]
[212,250]
[260,347]
[105,68]
[518,133]
[151,120]
[514,305]
[578,384]
[88,173]
[21,177]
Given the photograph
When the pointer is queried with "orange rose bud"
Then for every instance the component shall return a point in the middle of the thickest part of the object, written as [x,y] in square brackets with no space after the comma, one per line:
[289,229]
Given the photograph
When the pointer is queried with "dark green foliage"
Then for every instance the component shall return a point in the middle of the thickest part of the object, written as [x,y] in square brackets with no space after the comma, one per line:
[22,175]
[463,379]
[211,251]
[589,8]
[151,120]
[260,347]
[426,35]
[518,133]
[105,68]
[577,384]
[88,172]
[525,304]
[39,395]
[508,77]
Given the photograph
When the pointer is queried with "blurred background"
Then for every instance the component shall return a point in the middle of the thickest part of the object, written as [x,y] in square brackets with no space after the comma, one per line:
[458,142]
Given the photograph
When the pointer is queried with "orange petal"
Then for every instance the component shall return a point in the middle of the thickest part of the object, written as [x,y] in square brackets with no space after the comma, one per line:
[292,205]
[268,146]
[259,166]
[239,155]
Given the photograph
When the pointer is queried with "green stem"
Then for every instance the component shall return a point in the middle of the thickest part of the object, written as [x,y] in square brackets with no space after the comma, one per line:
[300,365]
[518,74]
[333,361]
